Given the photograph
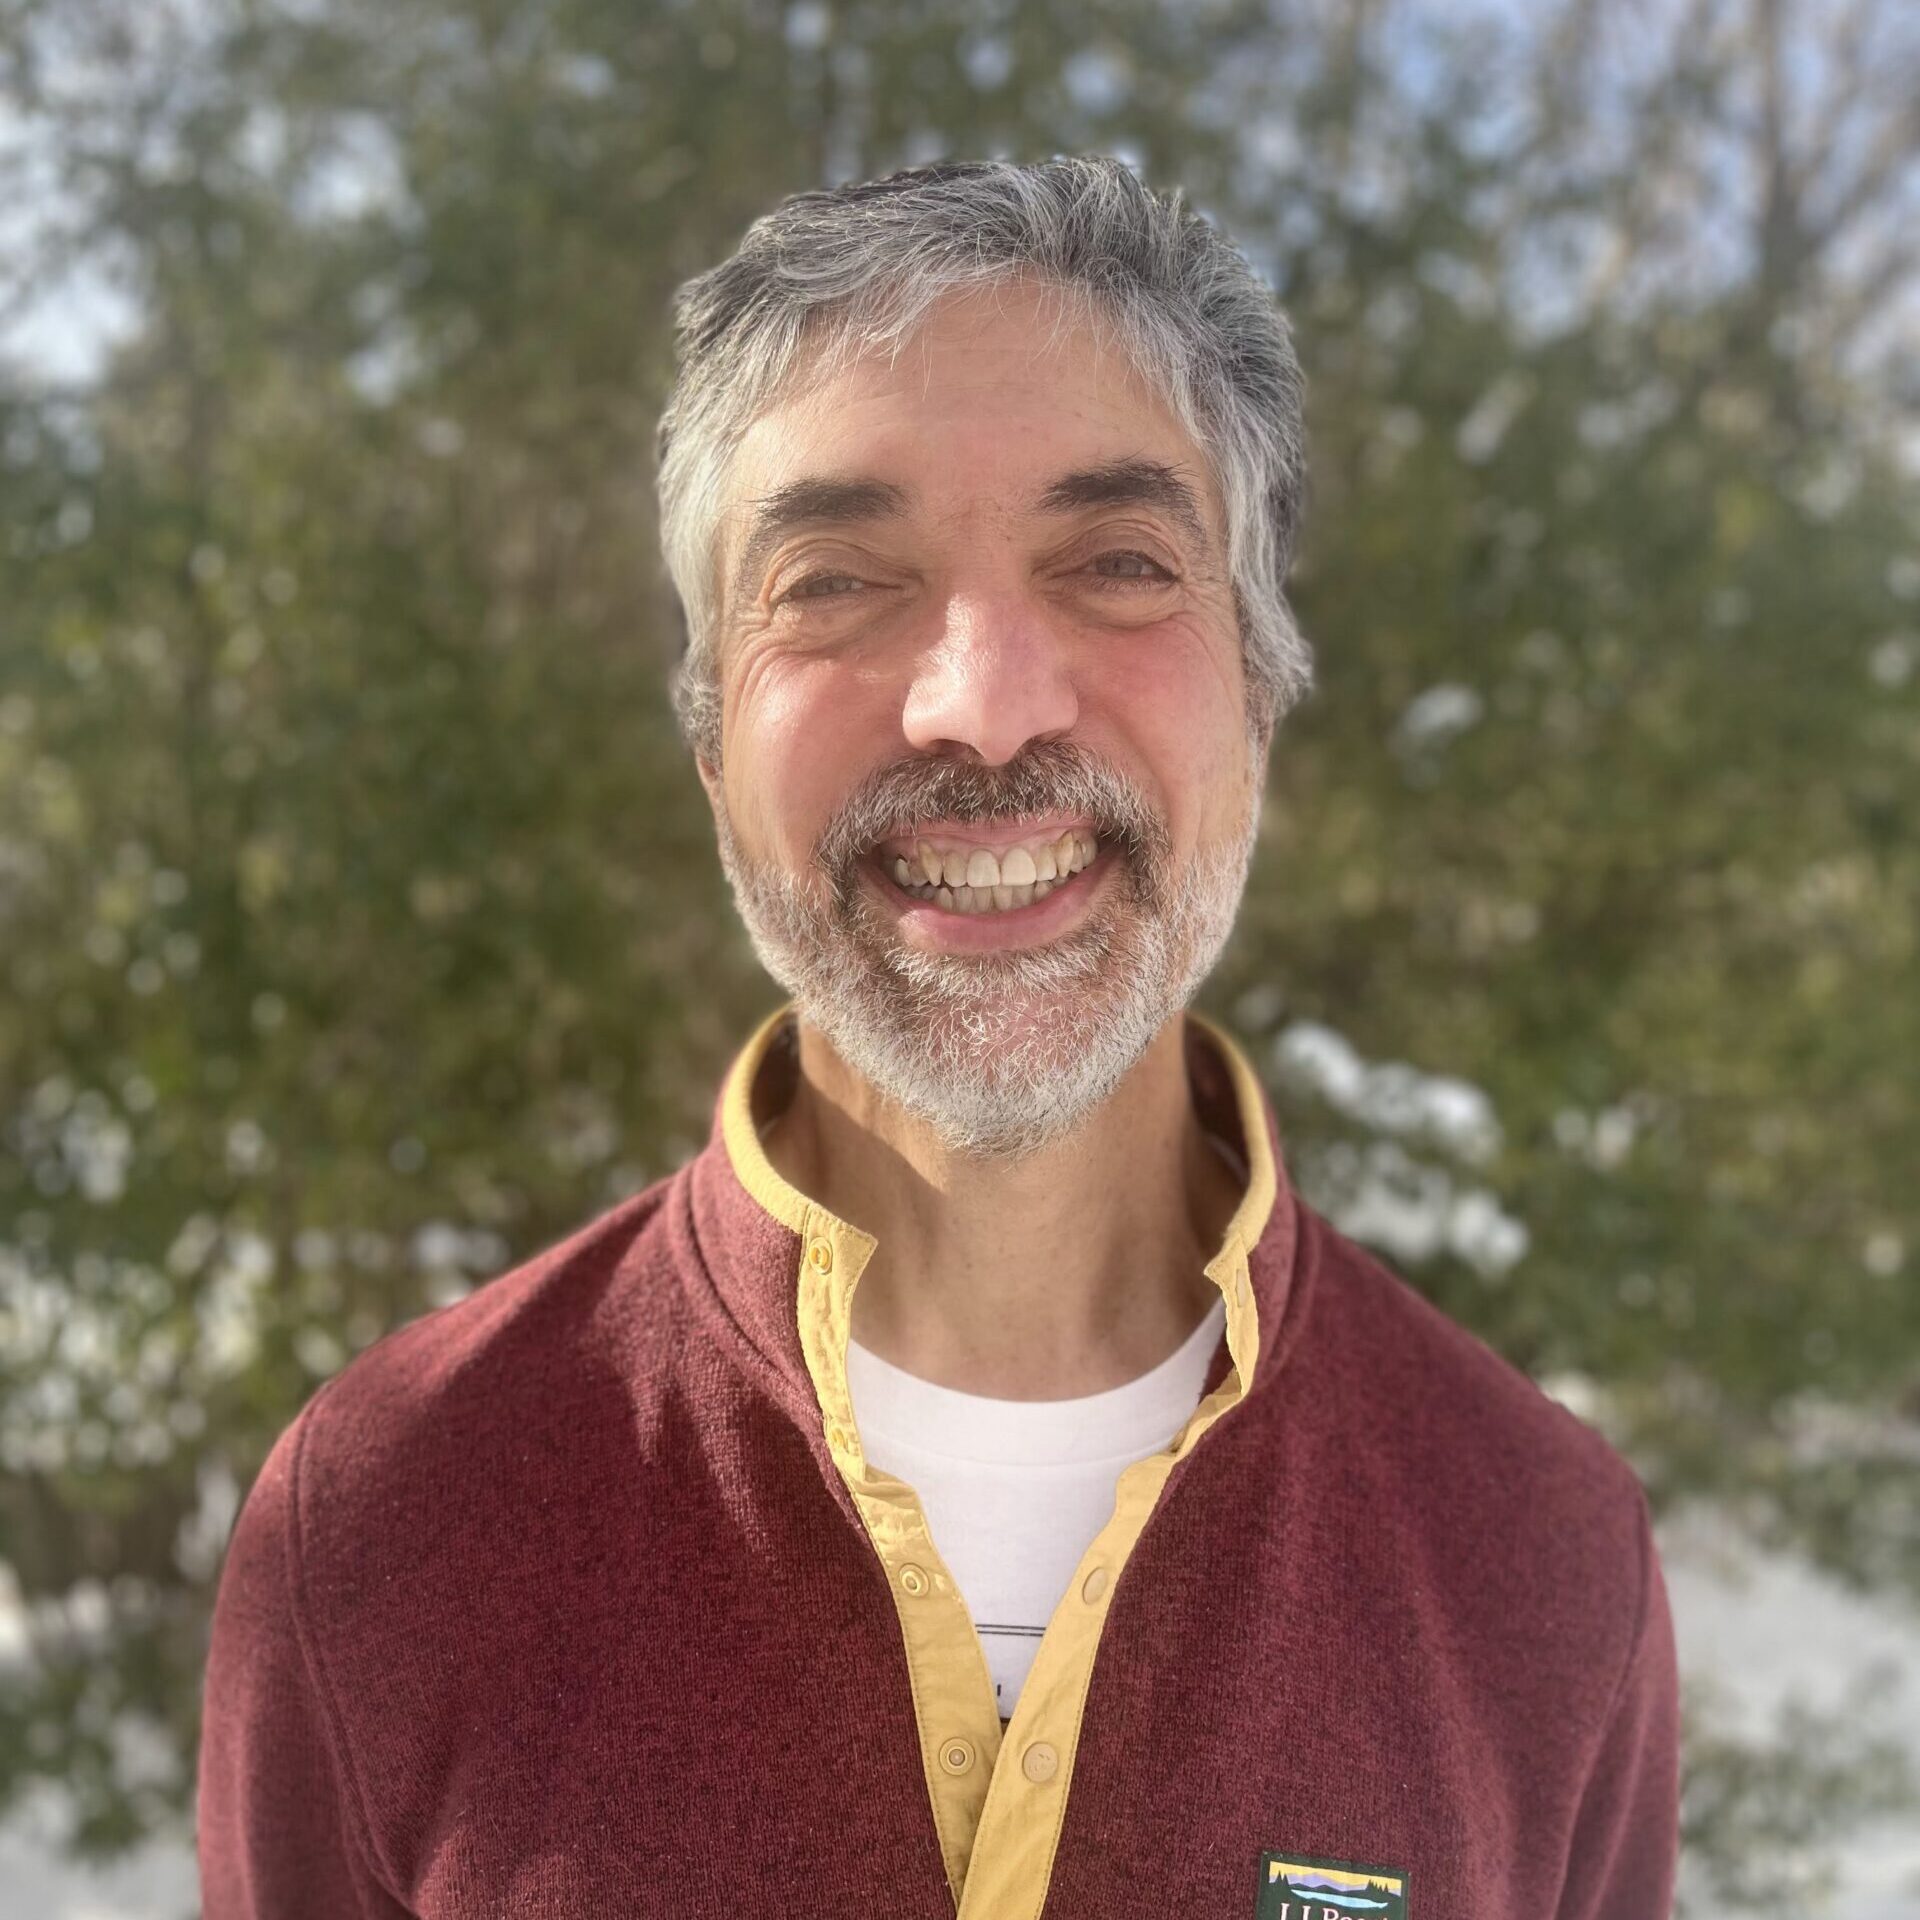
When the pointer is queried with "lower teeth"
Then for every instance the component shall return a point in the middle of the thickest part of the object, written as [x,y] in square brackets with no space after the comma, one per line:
[1001,899]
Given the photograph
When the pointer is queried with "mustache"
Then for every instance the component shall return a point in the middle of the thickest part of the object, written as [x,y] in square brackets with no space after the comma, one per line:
[1047,776]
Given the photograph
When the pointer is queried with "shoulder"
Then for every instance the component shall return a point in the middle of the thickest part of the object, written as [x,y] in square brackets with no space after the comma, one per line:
[1438,1387]
[401,1442]
[1505,1494]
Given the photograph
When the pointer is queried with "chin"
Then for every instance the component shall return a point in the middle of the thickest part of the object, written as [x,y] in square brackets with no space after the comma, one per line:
[993,1074]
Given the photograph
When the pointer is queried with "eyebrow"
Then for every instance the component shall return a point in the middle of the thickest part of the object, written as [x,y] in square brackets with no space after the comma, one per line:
[817,502]
[810,503]
[1135,482]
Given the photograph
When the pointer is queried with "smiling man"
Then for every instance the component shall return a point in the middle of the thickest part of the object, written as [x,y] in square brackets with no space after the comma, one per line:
[977,1483]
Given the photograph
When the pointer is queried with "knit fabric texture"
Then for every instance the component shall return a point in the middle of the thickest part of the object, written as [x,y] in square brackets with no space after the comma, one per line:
[555,1602]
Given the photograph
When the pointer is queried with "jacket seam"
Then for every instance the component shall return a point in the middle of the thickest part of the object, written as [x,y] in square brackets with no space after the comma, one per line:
[752,1363]
[1644,1540]
[1080,1701]
[359,1821]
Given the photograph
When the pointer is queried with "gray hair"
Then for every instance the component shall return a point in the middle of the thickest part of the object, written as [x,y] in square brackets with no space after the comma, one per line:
[829,274]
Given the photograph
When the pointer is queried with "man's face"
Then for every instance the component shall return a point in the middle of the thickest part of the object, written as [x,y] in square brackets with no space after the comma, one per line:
[987,791]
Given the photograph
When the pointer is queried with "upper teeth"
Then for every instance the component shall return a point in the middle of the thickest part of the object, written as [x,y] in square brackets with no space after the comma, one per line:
[976,880]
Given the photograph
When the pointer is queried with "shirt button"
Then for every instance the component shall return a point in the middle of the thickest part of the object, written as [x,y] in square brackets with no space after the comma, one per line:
[820,1256]
[956,1756]
[914,1579]
[1094,1585]
[1039,1763]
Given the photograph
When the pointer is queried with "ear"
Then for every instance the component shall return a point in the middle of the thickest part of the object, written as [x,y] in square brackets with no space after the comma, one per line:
[709,778]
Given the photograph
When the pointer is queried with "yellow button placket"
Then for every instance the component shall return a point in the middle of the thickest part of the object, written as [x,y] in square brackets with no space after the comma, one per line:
[953,1702]
[1019,1828]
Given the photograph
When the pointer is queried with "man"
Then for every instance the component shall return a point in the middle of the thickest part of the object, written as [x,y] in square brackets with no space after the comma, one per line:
[977,1483]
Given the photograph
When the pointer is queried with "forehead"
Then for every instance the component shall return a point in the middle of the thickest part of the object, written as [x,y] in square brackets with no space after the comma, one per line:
[998,392]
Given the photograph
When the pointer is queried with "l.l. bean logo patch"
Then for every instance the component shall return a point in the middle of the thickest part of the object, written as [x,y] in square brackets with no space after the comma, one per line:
[1293,1887]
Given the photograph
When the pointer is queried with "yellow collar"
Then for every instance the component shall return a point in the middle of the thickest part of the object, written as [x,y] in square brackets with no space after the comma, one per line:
[793,1209]
[834,1250]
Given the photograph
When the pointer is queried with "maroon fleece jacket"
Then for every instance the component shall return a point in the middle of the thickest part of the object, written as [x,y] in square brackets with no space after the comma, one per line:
[555,1603]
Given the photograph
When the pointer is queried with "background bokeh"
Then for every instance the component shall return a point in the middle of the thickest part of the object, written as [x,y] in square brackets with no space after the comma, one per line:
[360,928]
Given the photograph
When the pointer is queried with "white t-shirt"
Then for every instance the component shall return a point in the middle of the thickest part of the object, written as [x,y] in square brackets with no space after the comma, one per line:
[1016,1490]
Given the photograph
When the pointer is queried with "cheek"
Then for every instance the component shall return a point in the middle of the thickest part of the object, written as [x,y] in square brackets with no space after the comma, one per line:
[1180,703]
[800,737]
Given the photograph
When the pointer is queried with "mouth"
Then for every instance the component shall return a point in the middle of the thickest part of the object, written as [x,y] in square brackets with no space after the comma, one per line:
[969,876]
[978,887]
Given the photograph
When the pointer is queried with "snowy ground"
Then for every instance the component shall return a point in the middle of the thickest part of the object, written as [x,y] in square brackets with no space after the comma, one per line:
[1770,1630]
[157,1884]
[1765,1627]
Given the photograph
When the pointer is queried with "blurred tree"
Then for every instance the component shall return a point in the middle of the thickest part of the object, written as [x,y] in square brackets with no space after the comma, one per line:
[1608,799]
[361,929]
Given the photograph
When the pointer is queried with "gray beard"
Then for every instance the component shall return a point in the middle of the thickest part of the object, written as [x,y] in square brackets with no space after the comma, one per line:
[996,1053]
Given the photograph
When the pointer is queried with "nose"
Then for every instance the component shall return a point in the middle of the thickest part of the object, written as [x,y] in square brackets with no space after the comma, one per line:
[996,678]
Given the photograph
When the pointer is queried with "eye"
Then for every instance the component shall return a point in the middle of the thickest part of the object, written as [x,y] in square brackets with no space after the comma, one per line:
[1127,569]
[823,586]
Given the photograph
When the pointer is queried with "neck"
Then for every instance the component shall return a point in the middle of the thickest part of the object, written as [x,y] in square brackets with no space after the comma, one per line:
[1065,1272]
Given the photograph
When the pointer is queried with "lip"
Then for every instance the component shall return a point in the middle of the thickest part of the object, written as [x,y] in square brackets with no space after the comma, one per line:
[940,930]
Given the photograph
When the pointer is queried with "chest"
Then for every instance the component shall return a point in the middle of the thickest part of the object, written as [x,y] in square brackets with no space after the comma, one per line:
[744,1733]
